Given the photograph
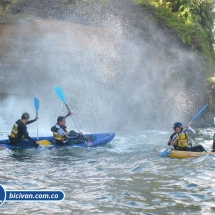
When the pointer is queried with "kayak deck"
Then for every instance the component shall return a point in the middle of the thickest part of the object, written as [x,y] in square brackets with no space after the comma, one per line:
[97,139]
[188,154]
[181,154]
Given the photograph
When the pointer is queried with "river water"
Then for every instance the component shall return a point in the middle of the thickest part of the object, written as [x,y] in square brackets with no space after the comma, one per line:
[111,80]
[122,177]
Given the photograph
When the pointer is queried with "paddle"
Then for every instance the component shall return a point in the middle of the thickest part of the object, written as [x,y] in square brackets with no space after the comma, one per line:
[197,115]
[166,152]
[194,118]
[62,97]
[44,143]
[37,106]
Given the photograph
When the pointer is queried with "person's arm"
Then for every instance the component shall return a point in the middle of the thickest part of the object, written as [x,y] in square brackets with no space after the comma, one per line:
[69,113]
[172,137]
[189,130]
[61,132]
[169,142]
[25,133]
[31,121]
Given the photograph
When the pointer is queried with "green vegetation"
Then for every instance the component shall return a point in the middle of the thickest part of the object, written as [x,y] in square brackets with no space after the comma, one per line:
[192,22]
[10,10]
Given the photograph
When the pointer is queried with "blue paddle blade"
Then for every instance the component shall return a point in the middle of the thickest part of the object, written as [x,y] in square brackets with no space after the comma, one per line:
[60,94]
[164,152]
[36,104]
[197,115]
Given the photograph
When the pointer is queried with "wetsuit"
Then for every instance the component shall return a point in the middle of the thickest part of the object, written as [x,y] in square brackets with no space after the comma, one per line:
[19,132]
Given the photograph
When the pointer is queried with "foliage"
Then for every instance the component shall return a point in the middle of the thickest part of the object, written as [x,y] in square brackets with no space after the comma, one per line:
[190,20]
[10,10]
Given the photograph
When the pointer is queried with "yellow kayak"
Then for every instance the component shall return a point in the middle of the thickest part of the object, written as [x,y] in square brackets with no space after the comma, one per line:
[181,154]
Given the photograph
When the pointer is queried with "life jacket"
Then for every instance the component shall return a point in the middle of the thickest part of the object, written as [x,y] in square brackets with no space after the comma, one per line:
[182,140]
[57,136]
[14,132]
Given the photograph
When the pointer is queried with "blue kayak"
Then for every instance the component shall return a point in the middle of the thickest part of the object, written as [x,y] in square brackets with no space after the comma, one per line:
[95,140]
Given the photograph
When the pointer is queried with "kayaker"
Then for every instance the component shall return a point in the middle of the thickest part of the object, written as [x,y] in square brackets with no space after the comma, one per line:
[62,135]
[179,139]
[19,131]
[213,145]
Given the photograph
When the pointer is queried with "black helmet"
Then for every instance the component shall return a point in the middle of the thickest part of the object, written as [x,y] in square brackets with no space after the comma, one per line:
[177,124]
[25,116]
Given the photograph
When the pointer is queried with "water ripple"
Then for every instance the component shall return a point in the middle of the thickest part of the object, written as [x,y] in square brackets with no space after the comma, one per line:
[124,177]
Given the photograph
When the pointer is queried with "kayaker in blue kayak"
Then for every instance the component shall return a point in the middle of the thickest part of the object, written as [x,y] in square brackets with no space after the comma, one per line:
[179,139]
[19,131]
[62,135]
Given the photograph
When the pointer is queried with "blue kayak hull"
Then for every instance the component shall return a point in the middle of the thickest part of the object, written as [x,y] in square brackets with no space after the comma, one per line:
[97,140]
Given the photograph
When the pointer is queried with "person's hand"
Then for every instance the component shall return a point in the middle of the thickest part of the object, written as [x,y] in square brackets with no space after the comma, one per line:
[187,127]
[36,117]
[172,143]
[38,142]
[69,113]
[80,134]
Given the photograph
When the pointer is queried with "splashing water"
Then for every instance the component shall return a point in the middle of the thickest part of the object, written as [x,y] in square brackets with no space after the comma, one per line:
[117,75]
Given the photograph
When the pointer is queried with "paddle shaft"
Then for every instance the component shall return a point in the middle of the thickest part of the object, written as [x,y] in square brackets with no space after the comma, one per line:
[72,117]
[37,127]
[197,115]
[76,124]
[36,105]
[60,93]
[194,118]
[179,135]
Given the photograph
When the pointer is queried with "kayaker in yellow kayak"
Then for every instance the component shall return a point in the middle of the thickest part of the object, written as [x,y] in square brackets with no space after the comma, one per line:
[179,139]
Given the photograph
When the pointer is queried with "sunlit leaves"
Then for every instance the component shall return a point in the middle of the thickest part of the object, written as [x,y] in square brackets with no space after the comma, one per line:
[192,20]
